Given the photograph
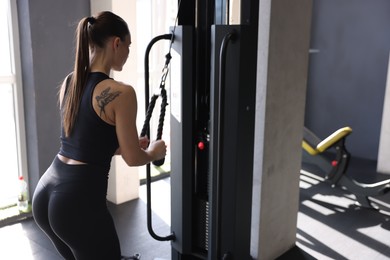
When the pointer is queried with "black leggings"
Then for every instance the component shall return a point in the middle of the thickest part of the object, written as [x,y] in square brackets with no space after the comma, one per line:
[69,205]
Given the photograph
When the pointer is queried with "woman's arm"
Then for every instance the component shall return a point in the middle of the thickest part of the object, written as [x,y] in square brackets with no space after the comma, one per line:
[143,143]
[125,113]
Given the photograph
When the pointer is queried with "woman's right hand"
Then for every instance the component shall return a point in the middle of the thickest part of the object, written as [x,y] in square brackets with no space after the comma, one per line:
[157,149]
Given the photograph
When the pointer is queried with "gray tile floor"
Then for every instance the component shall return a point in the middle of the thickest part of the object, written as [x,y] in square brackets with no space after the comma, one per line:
[330,226]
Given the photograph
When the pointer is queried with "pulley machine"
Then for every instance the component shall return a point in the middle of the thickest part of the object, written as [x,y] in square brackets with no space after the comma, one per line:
[212,100]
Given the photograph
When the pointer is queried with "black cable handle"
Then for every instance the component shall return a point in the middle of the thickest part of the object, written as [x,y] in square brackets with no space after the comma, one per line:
[150,106]
[220,122]
[146,129]
[149,112]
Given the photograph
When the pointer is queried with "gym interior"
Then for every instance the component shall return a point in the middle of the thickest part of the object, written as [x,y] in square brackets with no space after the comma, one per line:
[278,123]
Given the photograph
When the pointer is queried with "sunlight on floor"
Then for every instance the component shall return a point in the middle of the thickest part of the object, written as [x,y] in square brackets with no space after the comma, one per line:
[161,205]
[320,209]
[336,201]
[307,180]
[376,233]
[322,234]
[15,243]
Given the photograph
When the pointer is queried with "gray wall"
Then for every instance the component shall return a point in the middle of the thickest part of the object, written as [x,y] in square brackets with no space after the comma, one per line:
[347,77]
[47,43]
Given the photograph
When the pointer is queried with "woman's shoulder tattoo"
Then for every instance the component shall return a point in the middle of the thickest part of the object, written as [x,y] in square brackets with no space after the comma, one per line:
[105,98]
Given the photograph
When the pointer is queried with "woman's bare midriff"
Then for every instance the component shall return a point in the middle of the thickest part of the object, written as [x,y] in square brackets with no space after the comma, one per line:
[67,160]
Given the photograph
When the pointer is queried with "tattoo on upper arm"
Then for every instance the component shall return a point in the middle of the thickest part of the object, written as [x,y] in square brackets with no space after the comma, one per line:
[106,97]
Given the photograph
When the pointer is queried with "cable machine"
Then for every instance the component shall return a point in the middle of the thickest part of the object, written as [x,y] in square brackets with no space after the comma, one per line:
[212,99]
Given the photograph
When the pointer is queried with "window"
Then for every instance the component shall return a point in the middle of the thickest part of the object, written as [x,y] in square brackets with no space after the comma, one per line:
[12,148]
[156,19]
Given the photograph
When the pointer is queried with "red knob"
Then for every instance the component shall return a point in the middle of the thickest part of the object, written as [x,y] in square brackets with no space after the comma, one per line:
[201,145]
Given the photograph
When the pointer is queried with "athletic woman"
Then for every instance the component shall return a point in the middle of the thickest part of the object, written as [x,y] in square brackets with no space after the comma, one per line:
[98,116]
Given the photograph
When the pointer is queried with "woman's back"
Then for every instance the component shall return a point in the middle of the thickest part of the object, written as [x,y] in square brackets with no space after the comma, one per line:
[92,140]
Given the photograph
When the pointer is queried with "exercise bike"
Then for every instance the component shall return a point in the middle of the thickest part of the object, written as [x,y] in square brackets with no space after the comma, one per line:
[316,151]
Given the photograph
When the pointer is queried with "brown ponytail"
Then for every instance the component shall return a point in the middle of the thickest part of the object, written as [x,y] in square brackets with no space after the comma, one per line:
[80,73]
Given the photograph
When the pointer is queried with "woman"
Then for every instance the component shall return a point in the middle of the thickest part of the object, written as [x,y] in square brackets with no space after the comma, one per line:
[98,117]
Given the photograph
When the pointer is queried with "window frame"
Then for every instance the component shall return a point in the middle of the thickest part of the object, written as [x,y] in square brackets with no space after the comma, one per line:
[15,79]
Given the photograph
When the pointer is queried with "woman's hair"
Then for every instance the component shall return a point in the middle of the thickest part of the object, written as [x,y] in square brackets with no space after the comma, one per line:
[91,32]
